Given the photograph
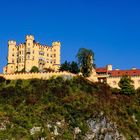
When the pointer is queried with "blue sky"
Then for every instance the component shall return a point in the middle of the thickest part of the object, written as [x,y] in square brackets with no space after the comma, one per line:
[111,28]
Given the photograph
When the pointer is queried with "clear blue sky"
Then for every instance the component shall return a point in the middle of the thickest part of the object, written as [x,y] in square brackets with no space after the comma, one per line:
[111,28]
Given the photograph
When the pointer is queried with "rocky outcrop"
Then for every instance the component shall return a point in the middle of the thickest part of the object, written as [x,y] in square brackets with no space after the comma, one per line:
[101,128]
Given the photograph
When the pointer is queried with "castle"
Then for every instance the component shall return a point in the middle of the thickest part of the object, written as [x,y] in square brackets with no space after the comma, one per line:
[31,53]
[24,56]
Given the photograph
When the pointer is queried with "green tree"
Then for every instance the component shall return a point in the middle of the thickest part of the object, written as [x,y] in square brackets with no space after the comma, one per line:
[65,66]
[126,85]
[74,67]
[86,61]
[34,69]
[70,67]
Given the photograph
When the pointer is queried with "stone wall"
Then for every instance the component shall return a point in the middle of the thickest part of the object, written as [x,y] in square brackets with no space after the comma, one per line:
[44,76]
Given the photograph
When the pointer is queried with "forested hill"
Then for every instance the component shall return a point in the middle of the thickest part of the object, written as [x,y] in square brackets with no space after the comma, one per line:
[62,109]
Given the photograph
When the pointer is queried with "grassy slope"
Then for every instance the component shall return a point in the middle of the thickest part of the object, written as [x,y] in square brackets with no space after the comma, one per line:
[29,103]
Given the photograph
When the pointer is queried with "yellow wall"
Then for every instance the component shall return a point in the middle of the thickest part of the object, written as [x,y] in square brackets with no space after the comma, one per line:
[113,81]
[37,75]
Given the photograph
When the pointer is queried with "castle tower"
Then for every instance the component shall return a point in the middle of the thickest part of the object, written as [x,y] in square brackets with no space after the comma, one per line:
[109,67]
[12,56]
[56,54]
[28,52]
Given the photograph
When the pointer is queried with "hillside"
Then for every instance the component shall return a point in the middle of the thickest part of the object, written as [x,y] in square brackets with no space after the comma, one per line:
[62,109]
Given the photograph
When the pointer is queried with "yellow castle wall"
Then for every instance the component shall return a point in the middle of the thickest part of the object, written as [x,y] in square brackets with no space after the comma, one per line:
[44,76]
[113,81]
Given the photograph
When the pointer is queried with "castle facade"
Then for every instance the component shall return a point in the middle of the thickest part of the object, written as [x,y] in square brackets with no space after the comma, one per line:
[24,56]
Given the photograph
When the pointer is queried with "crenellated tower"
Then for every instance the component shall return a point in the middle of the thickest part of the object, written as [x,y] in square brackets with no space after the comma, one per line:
[28,51]
[12,57]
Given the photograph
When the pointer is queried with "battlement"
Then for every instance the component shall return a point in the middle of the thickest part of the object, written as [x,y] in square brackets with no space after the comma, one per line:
[29,37]
[12,42]
[36,75]
[57,43]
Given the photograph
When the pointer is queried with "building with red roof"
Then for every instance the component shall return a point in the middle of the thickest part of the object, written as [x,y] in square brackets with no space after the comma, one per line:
[112,77]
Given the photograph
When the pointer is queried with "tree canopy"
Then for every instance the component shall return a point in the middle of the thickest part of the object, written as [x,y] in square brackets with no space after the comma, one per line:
[86,61]
[34,69]
[126,85]
[70,67]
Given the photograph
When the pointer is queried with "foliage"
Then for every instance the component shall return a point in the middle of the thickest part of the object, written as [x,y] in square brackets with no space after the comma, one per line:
[126,85]
[65,66]
[74,67]
[34,69]
[86,61]
[70,67]
[25,104]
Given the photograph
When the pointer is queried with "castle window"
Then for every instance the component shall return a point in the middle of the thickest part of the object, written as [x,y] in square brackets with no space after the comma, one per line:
[28,49]
[54,50]
[28,44]
[138,81]
[28,57]
[54,55]
[41,53]
[47,55]
[33,58]
[54,61]
[47,60]
[13,54]
[50,61]
[33,51]
[12,60]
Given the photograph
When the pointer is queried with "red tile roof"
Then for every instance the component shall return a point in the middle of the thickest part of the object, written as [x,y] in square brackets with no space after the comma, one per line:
[114,73]
[101,70]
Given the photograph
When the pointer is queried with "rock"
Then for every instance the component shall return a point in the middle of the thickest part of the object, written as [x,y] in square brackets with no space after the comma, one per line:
[77,130]
[55,131]
[108,137]
[34,130]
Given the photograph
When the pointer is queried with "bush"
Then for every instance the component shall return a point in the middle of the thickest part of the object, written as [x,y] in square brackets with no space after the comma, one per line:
[126,85]
[34,69]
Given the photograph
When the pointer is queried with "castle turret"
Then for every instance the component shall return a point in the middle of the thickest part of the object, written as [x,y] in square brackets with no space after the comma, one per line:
[56,53]
[30,37]
[29,47]
[11,51]
[12,56]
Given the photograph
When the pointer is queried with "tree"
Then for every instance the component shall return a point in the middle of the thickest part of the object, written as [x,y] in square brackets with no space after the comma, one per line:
[86,61]
[74,67]
[70,67]
[126,85]
[65,66]
[34,69]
